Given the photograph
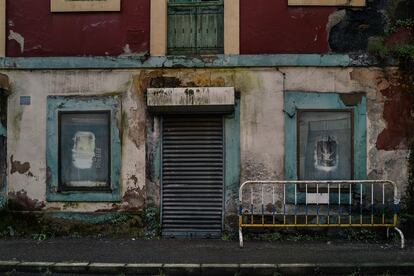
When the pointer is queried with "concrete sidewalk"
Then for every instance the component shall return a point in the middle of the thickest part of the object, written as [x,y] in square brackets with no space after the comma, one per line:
[207,257]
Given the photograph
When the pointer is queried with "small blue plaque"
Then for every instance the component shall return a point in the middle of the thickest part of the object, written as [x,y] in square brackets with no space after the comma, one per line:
[25,100]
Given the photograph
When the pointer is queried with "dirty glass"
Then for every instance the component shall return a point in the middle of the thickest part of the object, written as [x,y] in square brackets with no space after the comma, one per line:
[84,150]
[325,145]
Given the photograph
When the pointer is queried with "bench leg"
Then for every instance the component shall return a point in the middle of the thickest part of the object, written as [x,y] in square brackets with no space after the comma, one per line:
[401,236]
[388,232]
[241,237]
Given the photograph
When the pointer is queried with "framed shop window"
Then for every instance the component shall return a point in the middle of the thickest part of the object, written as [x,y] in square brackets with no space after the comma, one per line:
[325,139]
[83,149]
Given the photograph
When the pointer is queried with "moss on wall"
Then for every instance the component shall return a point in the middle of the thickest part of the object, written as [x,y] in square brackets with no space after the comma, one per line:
[39,225]
[397,40]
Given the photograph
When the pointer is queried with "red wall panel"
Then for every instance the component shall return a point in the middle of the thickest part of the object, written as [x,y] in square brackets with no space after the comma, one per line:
[76,34]
[270,27]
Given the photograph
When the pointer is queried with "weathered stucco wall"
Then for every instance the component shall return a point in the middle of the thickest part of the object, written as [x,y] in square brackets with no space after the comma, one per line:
[261,124]
[4,90]
[27,140]
[32,30]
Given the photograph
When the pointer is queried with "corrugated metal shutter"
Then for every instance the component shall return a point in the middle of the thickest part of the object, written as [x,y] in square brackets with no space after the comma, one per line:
[192,176]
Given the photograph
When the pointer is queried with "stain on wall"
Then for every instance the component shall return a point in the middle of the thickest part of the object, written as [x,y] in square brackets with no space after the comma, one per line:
[153,162]
[352,32]
[269,27]
[20,201]
[34,31]
[19,167]
[4,93]
[398,113]
[352,99]
[3,170]
[134,199]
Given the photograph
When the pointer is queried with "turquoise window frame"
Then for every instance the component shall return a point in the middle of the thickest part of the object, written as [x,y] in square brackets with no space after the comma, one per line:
[56,104]
[295,100]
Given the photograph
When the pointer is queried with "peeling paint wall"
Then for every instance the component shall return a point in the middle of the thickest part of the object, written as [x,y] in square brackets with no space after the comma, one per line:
[389,162]
[33,31]
[27,141]
[351,32]
[269,27]
[261,124]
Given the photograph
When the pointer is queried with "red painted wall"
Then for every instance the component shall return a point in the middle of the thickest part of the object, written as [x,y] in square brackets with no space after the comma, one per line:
[77,34]
[270,27]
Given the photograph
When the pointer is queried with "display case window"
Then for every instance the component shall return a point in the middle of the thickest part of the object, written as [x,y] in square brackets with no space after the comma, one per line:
[84,150]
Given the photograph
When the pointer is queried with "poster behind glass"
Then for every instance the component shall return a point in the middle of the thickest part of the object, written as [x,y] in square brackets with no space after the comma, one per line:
[84,150]
[325,146]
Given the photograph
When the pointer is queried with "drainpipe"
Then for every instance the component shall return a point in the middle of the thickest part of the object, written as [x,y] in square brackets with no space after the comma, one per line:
[4,93]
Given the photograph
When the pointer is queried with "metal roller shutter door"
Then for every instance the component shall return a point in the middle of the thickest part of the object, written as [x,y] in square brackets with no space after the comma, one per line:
[192,175]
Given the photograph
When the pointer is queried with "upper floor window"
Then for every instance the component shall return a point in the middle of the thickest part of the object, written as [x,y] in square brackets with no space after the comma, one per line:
[195,27]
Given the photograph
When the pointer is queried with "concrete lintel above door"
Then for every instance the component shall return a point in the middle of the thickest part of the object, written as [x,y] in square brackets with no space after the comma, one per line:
[191,99]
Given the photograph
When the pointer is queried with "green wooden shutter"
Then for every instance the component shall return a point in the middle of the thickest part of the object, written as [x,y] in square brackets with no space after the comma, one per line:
[210,25]
[182,34]
[195,27]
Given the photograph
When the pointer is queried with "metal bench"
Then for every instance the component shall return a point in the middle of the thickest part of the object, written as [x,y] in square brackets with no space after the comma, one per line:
[317,204]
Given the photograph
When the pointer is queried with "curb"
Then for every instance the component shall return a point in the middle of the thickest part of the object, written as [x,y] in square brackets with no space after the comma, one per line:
[207,269]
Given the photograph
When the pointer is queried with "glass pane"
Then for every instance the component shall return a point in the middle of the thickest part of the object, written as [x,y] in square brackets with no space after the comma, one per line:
[325,146]
[84,150]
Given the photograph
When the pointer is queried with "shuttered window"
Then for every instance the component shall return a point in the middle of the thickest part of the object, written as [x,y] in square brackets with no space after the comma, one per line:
[195,27]
[192,176]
